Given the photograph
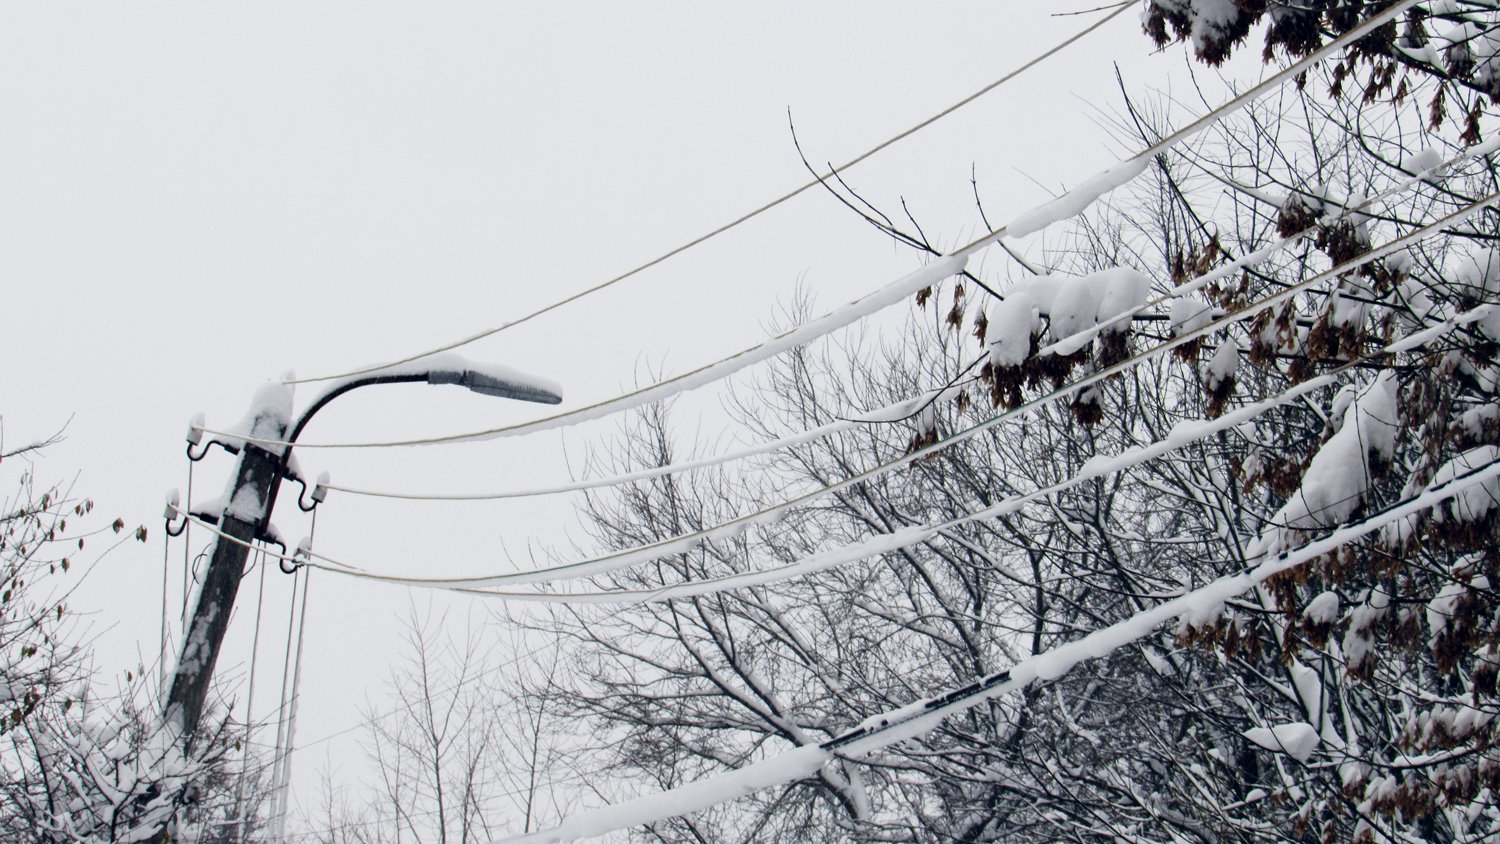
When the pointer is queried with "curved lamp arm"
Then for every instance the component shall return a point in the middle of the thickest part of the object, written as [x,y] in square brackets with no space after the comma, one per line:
[483,383]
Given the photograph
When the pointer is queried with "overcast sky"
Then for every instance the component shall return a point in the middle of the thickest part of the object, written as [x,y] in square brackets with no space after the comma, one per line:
[195,198]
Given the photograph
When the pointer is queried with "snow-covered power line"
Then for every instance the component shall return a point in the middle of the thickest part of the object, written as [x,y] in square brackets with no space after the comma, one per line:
[620,559]
[884,542]
[708,373]
[1101,466]
[743,218]
[876,544]
[1069,204]
[921,717]
[902,408]
[799,438]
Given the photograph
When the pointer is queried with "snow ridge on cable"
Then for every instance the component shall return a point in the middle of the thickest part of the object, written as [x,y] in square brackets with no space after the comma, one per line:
[620,559]
[919,718]
[1050,212]
[1010,319]
[806,186]
[1330,509]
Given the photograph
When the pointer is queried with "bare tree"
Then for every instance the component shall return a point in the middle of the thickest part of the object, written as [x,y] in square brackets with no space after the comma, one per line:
[78,763]
[1350,699]
[1353,699]
[465,754]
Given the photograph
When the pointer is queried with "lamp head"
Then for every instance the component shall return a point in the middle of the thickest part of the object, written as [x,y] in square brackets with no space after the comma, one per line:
[499,386]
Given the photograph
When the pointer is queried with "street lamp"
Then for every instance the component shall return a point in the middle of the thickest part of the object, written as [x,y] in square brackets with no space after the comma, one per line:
[246,514]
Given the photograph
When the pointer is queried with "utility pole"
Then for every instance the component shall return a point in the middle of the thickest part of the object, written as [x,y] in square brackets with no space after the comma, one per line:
[246,515]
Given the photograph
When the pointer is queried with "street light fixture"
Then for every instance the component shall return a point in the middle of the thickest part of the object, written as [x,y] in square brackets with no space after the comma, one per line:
[246,514]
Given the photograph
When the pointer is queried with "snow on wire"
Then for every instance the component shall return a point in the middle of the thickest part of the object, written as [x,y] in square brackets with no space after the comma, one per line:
[901,409]
[1100,466]
[917,719]
[792,194]
[619,559]
[1069,204]
[1181,435]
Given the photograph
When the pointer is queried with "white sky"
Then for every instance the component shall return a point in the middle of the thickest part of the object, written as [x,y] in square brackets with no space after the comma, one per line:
[197,197]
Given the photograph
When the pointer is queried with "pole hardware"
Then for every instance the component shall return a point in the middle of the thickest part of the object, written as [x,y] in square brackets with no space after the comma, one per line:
[245,516]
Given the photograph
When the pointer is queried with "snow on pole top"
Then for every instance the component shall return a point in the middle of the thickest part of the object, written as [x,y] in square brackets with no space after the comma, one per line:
[268,417]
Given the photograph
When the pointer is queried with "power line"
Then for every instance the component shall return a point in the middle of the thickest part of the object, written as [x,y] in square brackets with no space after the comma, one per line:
[839,426]
[1069,204]
[707,373]
[619,559]
[914,535]
[919,718]
[1228,421]
[882,543]
[1054,50]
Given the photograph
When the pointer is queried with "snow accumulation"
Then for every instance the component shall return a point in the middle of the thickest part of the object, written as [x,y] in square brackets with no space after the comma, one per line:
[788,767]
[1158,663]
[926,419]
[195,428]
[1077,200]
[451,362]
[1476,275]
[1222,366]
[269,416]
[1098,466]
[906,409]
[1073,310]
[246,505]
[1180,435]
[1441,607]
[215,505]
[890,294]
[1125,291]
[1413,294]
[1491,327]
[1426,160]
[1211,20]
[832,558]
[1012,322]
[1474,421]
[1189,314]
[1340,406]
[1339,475]
[848,314]
[1079,308]
[1297,739]
[1376,604]
[1475,502]
[1471,45]
[1324,609]
[853,419]
[1345,308]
